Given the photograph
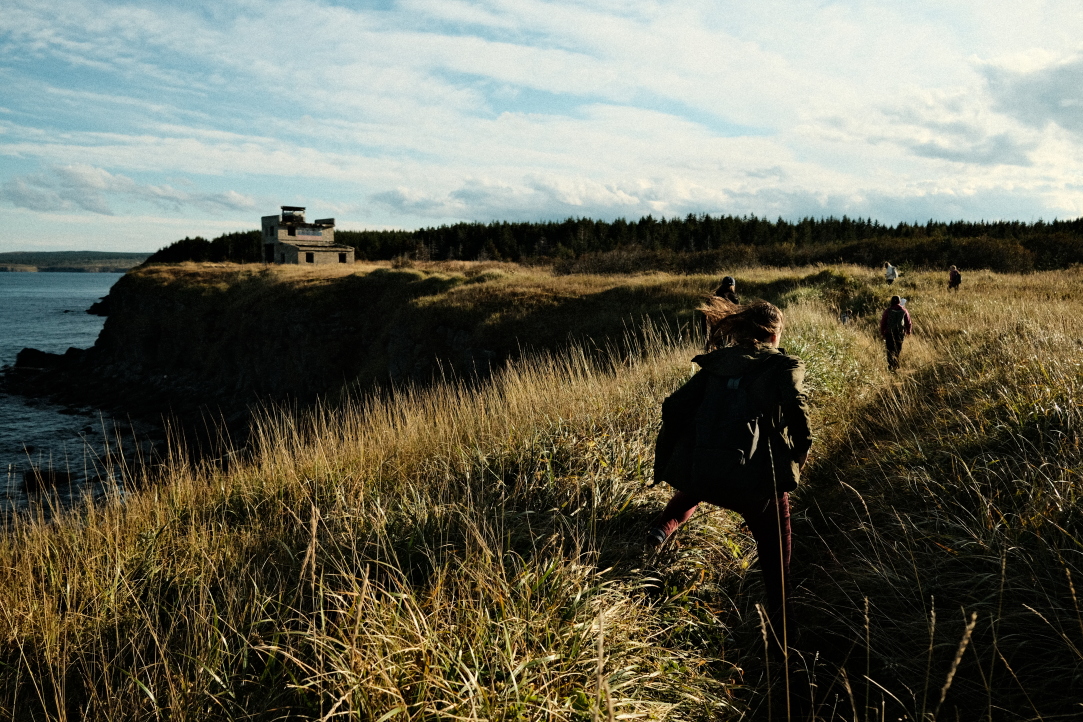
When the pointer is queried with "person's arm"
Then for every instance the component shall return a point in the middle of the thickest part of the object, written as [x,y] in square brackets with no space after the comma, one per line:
[794,404]
[909,325]
[883,323]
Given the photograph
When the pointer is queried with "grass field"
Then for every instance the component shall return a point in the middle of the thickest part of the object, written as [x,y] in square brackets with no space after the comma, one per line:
[473,553]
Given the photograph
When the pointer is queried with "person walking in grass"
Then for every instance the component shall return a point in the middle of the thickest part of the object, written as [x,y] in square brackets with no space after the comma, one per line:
[728,290]
[890,273]
[737,435]
[954,279]
[895,325]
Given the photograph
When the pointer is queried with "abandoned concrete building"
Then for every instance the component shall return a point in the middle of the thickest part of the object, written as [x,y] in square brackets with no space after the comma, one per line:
[287,238]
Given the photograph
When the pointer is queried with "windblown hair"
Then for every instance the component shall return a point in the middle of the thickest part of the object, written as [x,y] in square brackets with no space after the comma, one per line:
[728,322]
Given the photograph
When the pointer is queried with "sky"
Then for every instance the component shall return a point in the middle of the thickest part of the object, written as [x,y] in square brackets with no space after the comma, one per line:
[124,127]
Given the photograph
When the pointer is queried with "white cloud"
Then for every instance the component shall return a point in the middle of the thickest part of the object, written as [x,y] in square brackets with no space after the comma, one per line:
[66,188]
[440,110]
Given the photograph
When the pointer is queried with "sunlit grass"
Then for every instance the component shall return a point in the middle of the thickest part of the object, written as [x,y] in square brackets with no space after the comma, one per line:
[471,552]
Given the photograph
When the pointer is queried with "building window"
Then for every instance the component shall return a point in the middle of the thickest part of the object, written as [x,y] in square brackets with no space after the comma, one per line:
[310,258]
[342,258]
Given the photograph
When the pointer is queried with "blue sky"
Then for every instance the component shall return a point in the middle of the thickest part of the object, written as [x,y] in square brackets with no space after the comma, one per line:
[127,126]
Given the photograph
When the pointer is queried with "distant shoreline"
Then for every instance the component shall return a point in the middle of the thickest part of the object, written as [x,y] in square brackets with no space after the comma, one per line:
[67,269]
[70,261]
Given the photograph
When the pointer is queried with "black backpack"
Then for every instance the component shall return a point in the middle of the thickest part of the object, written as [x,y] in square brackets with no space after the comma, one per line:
[896,321]
[707,445]
[727,428]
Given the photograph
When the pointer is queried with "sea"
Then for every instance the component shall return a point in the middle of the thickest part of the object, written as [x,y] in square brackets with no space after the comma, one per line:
[47,311]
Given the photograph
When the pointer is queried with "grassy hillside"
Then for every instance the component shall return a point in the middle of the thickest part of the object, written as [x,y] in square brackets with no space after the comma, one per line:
[90,261]
[472,553]
[217,330]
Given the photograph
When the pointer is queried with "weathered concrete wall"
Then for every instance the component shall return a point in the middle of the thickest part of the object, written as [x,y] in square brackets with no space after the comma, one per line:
[288,253]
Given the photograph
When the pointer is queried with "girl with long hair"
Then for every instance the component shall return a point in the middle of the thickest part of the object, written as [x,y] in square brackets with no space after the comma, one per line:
[737,435]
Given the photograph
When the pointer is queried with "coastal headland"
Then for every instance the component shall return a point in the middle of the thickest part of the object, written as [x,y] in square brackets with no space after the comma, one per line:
[464,541]
[217,340]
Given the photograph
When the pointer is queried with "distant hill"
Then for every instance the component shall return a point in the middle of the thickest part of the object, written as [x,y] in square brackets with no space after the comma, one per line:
[77,261]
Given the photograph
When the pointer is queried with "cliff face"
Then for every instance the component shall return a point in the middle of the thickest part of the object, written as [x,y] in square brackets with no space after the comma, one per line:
[195,337]
[224,336]
[202,342]
[231,333]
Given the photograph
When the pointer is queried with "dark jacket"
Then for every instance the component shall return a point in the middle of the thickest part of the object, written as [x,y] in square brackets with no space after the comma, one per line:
[776,386]
[727,293]
[884,320]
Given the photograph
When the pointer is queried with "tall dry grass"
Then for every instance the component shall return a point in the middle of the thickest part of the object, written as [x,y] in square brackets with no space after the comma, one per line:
[473,552]
[443,553]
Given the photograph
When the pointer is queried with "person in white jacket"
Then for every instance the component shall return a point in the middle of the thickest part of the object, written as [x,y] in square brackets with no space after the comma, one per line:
[890,273]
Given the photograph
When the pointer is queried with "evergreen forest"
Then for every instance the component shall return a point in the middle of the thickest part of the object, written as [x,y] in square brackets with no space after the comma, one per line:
[696,243]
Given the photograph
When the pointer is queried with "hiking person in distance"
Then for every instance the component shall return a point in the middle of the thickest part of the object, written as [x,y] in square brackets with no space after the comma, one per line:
[954,279]
[737,435]
[890,273]
[728,290]
[895,325]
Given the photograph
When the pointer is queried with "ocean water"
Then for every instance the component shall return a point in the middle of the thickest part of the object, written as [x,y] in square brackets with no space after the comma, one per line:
[47,311]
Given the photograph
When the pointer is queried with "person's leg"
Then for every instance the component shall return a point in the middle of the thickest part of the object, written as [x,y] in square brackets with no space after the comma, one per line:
[770,527]
[893,344]
[680,509]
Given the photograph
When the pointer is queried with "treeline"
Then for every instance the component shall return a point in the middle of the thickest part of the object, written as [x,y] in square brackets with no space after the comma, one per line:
[701,243]
[239,247]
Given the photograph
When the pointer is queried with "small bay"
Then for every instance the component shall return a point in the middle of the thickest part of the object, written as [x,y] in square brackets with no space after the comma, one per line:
[47,311]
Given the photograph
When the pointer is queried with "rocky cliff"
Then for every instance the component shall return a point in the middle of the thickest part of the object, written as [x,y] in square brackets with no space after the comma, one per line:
[196,337]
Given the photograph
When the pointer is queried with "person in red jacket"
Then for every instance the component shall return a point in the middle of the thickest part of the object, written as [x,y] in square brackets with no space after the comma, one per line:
[895,325]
